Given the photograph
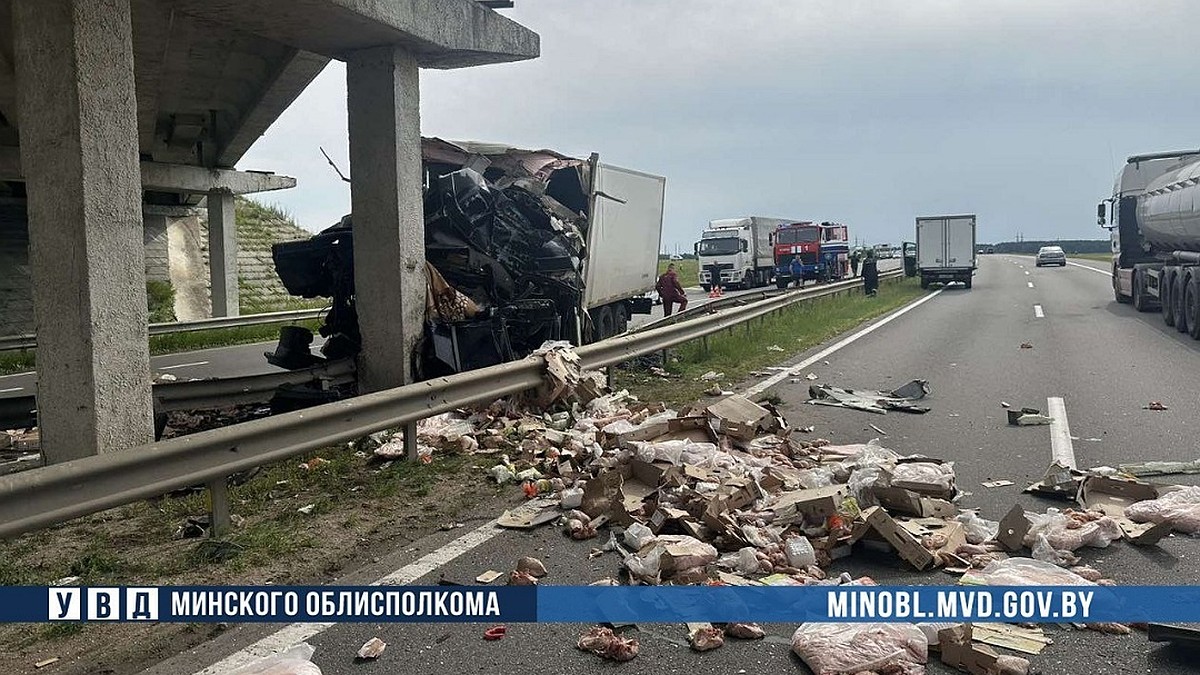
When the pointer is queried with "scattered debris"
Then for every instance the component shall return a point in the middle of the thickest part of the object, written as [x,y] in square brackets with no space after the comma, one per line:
[606,644]
[489,576]
[1155,405]
[1026,345]
[165,377]
[371,649]
[1027,417]
[711,375]
[66,581]
[1160,468]
[314,463]
[902,399]
[1027,640]
[1158,632]
[1004,404]
[997,483]
[45,662]
[745,631]
[877,429]
[519,578]
[958,651]
[295,660]
[774,348]
[307,509]
[495,633]
[834,648]
[810,376]
[704,637]
[531,566]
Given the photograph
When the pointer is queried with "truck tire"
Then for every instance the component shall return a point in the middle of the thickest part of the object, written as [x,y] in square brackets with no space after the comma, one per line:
[924,282]
[1140,302]
[620,318]
[1177,292]
[1166,295]
[706,288]
[782,283]
[604,323]
[1191,303]
[967,282]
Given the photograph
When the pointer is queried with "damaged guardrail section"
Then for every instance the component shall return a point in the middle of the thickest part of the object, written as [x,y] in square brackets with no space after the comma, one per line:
[41,497]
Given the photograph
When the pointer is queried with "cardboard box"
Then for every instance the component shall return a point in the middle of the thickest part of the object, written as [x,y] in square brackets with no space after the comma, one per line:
[907,502]
[693,428]
[738,416]
[1013,528]
[811,504]
[959,652]
[1110,496]
[905,543]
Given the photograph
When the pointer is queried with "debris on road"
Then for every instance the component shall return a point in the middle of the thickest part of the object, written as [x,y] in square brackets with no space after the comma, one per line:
[810,376]
[314,463]
[1026,345]
[1017,638]
[371,649]
[495,633]
[774,348]
[604,643]
[531,566]
[489,576]
[1155,405]
[835,648]
[902,399]
[1158,632]
[1160,468]
[877,429]
[711,376]
[996,483]
[705,637]
[1027,417]
[46,662]
[745,631]
[295,660]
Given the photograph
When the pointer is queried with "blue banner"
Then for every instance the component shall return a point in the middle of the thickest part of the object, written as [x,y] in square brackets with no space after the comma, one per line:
[600,604]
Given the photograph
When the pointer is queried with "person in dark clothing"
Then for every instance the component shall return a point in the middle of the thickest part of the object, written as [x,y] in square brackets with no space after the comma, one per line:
[854,258]
[670,290]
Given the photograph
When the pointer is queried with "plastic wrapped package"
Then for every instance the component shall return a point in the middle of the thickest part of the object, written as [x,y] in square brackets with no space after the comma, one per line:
[1064,533]
[1180,508]
[977,528]
[295,660]
[872,454]
[800,553]
[637,536]
[817,477]
[744,560]
[862,483]
[924,476]
[1023,572]
[1042,550]
[836,648]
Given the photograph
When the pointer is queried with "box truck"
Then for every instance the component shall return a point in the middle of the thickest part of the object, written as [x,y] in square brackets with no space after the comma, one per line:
[946,249]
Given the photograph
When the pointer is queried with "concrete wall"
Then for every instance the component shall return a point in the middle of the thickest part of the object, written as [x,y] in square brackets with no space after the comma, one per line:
[16,290]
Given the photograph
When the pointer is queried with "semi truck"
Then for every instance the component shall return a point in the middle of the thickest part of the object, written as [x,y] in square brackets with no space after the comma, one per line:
[806,251]
[1153,217]
[946,249]
[740,248]
[522,246]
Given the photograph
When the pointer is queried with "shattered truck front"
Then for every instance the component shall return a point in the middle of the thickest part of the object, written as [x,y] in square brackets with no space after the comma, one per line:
[505,234]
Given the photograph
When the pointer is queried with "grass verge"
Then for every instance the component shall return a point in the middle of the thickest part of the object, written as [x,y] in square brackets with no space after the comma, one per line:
[688,270]
[1106,257]
[738,352]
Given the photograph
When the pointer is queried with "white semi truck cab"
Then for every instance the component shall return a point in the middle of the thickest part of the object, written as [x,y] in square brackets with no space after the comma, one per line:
[741,249]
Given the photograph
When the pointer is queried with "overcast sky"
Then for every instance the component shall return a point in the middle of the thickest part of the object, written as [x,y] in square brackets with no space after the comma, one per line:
[865,112]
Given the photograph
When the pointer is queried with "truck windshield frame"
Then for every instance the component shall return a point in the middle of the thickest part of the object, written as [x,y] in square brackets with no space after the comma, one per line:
[798,235]
[719,246]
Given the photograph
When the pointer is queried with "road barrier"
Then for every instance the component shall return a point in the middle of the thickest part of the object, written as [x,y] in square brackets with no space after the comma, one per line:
[44,496]
[13,342]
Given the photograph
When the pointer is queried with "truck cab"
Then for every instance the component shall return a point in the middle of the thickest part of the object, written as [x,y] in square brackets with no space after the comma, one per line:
[797,251]
[725,248]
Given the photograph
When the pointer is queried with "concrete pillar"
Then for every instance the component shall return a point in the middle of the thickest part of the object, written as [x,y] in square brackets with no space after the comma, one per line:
[222,254]
[389,226]
[79,149]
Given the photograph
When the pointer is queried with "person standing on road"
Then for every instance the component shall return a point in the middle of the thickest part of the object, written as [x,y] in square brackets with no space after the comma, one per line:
[670,291]
[854,258]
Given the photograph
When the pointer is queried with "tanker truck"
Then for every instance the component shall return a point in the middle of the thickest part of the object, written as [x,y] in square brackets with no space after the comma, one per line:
[1154,220]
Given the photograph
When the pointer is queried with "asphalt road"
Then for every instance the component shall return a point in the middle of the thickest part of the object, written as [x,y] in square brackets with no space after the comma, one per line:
[1105,360]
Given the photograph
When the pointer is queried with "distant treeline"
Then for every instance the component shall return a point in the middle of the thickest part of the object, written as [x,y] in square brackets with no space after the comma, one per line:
[1068,246]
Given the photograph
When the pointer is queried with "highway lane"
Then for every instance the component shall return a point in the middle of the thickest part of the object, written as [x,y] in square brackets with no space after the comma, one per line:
[1104,360]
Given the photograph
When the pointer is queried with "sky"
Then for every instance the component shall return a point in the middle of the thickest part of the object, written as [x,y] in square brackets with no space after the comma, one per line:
[864,112]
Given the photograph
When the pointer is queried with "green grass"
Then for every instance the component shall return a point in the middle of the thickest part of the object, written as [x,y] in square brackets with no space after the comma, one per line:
[17,361]
[687,269]
[1106,257]
[160,301]
[744,349]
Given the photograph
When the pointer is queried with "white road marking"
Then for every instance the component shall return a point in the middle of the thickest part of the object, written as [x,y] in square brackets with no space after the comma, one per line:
[299,632]
[1037,312]
[1030,283]
[1107,273]
[785,374]
[1061,449]
[11,390]
[183,365]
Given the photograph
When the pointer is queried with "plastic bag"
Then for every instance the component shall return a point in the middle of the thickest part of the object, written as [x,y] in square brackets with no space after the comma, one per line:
[744,560]
[1042,550]
[927,477]
[872,454]
[821,476]
[977,528]
[1023,572]
[637,536]
[799,552]
[295,660]
[1065,535]
[1180,508]
[862,484]
[834,648]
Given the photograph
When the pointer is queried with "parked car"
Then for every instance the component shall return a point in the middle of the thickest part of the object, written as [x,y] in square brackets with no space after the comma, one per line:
[1051,255]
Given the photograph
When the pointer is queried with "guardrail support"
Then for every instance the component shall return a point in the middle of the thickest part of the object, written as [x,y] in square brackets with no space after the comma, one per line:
[410,441]
[219,519]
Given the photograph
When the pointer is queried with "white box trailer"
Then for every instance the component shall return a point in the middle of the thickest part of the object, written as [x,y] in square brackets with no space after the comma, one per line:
[946,249]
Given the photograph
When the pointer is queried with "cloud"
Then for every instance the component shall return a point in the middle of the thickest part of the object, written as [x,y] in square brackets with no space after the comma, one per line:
[865,112]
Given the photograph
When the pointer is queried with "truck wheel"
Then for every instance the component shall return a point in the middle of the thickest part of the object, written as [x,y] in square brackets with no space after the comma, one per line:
[705,287]
[924,282]
[782,283]
[1177,297]
[1140,302]
[620,319]
[1166,294]
[1191,303]
[604,323]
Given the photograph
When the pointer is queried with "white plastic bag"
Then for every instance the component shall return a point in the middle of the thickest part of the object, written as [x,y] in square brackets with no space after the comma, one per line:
[295,660]
[638,535]
[799,552]
[836,648]
[862,484]
[977,528]
[1022,572]
[744,560]
[1180,508]
[1061,534]
[926,477]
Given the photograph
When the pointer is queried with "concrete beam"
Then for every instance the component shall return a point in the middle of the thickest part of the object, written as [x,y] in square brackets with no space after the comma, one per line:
[74,67]
[180,178]
[293,74]
[222,254]
[438,33]
[383,106]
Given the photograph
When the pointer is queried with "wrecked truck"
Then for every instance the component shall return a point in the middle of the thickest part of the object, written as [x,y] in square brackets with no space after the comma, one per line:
[521,246]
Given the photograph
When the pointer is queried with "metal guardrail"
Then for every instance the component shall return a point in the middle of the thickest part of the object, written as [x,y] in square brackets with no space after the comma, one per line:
[48,495]
[11,342]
